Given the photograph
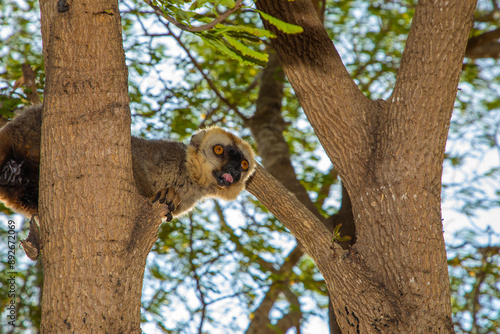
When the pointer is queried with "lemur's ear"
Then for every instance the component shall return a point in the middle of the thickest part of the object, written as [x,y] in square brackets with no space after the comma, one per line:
[197,138]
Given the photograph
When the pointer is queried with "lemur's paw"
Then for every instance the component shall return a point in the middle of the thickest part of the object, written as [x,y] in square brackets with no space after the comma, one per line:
[169,197]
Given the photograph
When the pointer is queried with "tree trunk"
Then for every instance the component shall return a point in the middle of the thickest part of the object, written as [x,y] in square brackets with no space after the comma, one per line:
[93,252]
[389,155]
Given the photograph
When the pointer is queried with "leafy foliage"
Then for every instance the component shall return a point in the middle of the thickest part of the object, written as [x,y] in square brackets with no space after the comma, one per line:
[233,41]
[24,290]
[19,24]
[474,262]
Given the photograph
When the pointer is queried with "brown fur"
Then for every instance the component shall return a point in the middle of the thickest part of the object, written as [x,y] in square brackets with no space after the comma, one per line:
[20,147]
[176,174]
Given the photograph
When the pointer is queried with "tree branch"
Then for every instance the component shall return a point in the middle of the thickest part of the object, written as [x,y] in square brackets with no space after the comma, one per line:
[304,225]
[310,60]
[197,278]
[265,265]
[425,91]
[204,27]
[485,45]
[483,38]
[29,82]
[420,70]
[267,126]
[289,320]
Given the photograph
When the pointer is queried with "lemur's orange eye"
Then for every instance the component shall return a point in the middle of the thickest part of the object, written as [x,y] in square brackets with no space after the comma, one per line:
[244,165]
[218,149]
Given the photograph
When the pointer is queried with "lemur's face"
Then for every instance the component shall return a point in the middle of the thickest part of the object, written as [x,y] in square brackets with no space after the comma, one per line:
[233,164]
[226,160]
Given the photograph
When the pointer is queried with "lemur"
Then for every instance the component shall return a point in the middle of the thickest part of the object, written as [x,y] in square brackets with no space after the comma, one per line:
[215,164]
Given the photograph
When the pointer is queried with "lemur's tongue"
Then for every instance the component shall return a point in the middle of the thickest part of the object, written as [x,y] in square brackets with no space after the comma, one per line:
[227,177]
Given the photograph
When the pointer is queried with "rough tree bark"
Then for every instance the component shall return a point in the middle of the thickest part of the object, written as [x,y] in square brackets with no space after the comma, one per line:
[389,155]
[93,251]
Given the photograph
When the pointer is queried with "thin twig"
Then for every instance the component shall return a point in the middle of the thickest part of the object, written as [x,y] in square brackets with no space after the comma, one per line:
[204,27]
[239,247]
[197,278]
[209,81]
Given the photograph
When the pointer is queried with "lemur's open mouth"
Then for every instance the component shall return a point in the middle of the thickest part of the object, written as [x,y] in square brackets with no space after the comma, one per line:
[225,179]
[226,176]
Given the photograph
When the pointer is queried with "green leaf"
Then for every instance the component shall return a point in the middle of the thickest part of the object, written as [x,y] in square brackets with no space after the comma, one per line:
[198,4]
[251,31]
[337,229]
[336,235]
[227,3]
[228,51]
[245,50]
[281,25]
[181,15]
